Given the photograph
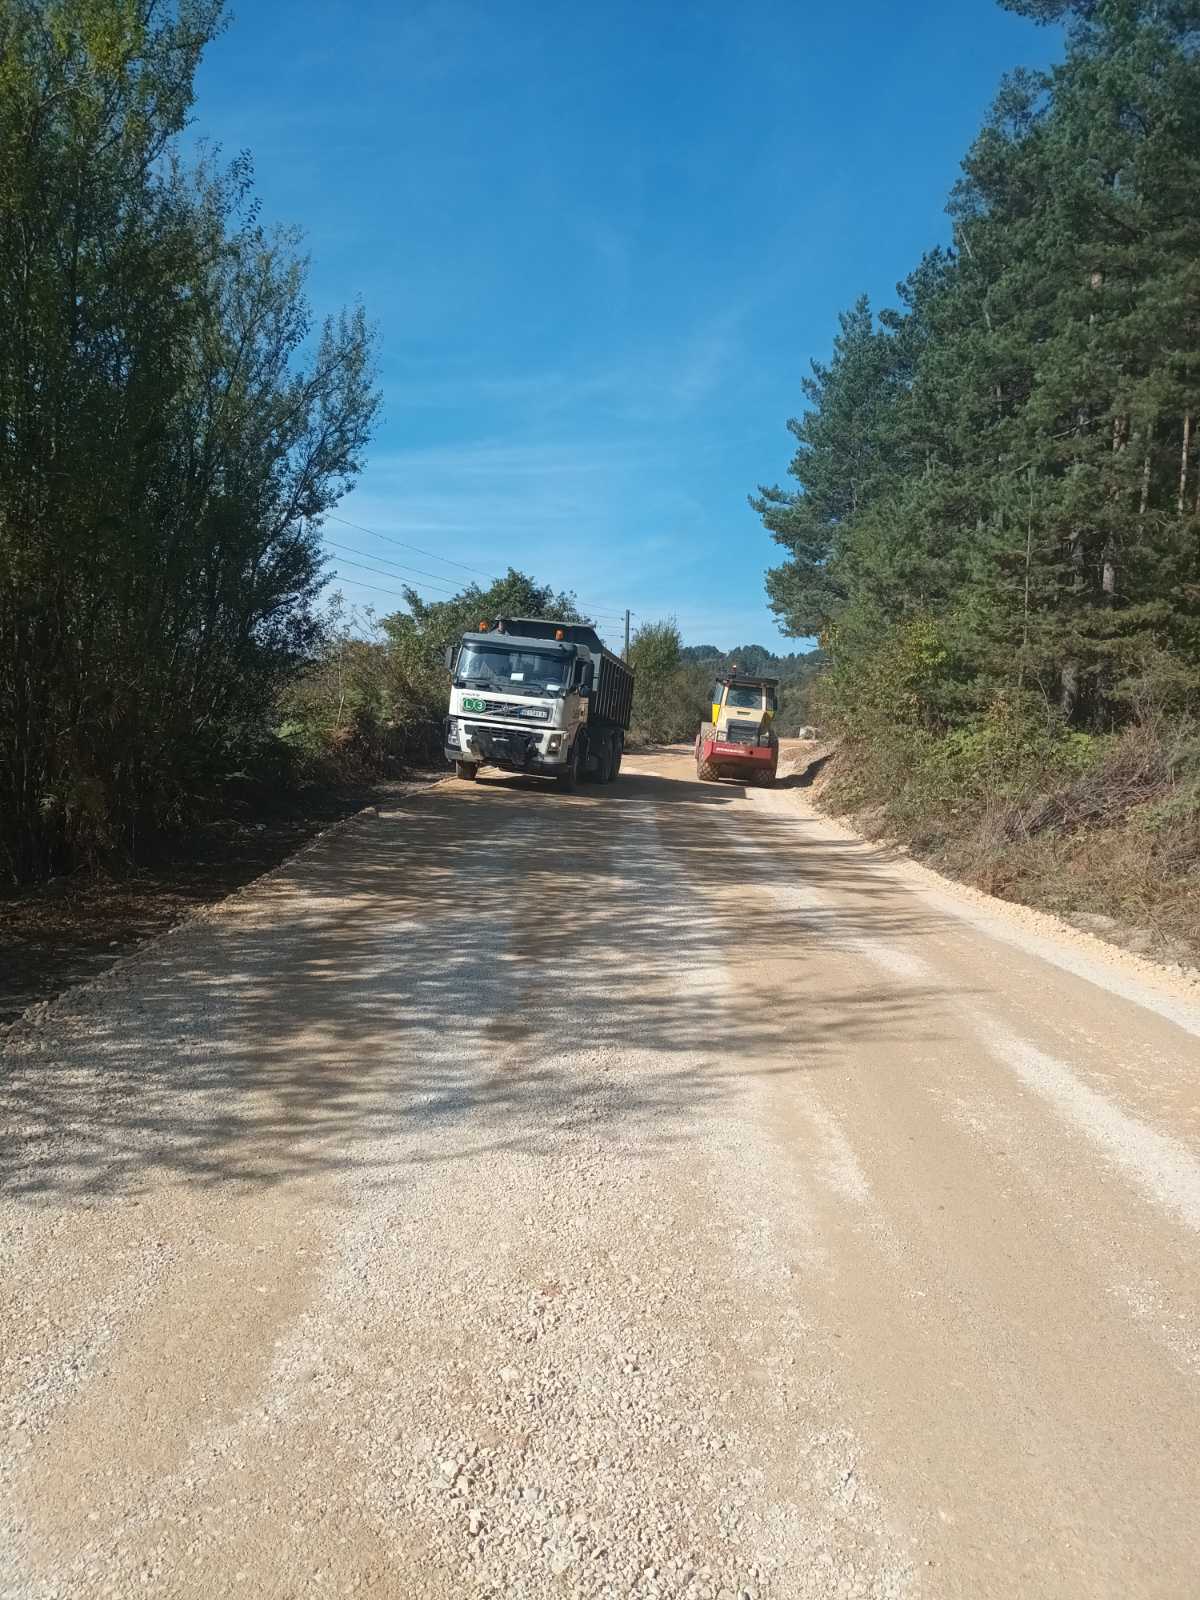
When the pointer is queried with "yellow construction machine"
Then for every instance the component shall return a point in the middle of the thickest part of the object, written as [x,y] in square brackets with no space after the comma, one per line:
[740,740]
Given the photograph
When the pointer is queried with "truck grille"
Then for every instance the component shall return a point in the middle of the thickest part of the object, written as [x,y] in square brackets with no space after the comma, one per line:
[742,733]
[514,708]
[504,744]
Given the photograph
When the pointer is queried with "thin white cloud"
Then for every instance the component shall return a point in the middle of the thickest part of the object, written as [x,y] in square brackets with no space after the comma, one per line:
[664,384]
[503,459]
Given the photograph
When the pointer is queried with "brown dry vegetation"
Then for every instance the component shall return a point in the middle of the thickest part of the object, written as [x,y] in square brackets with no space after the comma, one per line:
[1113,845]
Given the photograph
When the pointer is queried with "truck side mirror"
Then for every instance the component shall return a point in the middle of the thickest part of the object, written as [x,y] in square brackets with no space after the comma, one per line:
[450,654]
[585,677]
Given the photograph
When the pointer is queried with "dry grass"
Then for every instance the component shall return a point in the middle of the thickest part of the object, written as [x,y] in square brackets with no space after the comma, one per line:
[1115,847]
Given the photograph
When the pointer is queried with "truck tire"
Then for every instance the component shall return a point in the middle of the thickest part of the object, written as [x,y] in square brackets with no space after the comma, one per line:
[468,771]
[586,770]
[615,769]
[705,771]
[764,780]
[568,778]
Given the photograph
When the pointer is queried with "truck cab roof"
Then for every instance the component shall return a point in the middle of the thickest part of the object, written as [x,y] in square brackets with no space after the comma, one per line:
[498,640]
[546,628]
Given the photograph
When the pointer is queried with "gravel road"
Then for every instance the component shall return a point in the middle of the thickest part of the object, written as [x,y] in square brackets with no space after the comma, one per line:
[648,1192]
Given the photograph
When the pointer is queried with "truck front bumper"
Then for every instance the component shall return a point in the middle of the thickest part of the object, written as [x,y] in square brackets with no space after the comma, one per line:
[510,749]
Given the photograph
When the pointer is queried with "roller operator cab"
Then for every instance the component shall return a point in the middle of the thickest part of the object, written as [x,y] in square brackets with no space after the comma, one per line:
[536,696]
[740,741]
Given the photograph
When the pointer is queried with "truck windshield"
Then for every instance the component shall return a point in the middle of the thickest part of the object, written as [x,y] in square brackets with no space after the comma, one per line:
[493,666]
[745,699]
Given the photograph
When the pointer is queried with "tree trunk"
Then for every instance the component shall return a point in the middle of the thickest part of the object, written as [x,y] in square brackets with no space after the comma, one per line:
[1069,671]
[1028,577]
[1184,462]
[1108,578]
[1068,697]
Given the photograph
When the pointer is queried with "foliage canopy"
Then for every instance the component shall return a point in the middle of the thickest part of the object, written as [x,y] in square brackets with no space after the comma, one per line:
[1003,471]
[173,428]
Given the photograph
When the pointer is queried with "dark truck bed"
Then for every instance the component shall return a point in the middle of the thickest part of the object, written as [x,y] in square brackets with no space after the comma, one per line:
[611,700]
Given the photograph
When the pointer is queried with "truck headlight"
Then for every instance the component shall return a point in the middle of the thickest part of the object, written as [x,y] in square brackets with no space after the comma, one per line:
[452,732]
[554,744]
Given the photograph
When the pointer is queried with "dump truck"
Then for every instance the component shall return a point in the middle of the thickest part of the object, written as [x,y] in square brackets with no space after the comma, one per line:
[540,697]
[740,740]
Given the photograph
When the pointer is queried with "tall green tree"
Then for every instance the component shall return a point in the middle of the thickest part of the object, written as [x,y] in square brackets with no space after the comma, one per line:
[1030,410]
[670,692]
[174,427]
[840,465]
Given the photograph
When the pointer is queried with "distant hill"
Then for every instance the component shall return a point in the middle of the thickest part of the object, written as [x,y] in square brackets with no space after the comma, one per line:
[796,673]
[756,658]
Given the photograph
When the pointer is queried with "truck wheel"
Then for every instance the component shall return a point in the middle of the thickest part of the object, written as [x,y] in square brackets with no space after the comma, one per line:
[764,780]
[615,770]
[568,778]
[706,772]
[467,770]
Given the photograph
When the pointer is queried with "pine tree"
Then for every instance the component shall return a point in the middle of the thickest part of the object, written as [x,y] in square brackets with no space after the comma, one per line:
[841,466]
[1014,451]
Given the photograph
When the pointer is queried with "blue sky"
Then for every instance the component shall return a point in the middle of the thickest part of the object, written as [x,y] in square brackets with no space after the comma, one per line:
[601,243]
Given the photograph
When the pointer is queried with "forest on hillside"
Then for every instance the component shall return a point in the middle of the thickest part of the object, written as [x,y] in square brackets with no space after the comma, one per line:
[994,522]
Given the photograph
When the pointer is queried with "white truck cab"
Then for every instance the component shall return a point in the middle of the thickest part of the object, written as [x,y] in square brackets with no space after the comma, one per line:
[524,697]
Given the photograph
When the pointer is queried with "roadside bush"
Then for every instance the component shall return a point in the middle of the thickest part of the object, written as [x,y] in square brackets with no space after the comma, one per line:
[906,682]
[355,713]
[671,694]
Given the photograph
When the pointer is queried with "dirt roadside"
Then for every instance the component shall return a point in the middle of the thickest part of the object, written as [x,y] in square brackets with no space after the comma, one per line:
[1151,953]
[73,929]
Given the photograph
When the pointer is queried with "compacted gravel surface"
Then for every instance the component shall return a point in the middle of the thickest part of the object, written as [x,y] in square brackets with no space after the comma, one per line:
[649,1192]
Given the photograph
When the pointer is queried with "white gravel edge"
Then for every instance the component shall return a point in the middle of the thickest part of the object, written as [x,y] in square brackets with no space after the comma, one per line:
[1040,932]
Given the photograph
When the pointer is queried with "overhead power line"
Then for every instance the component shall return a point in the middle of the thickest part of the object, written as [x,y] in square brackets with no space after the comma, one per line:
[403,544]
[371,588]
[396,569]
[384,573]
[399,595]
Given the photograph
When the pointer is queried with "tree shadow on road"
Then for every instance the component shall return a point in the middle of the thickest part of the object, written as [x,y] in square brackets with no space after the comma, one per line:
[481,967]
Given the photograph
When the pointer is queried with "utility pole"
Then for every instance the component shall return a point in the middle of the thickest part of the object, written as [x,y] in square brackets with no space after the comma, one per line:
[626,655]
